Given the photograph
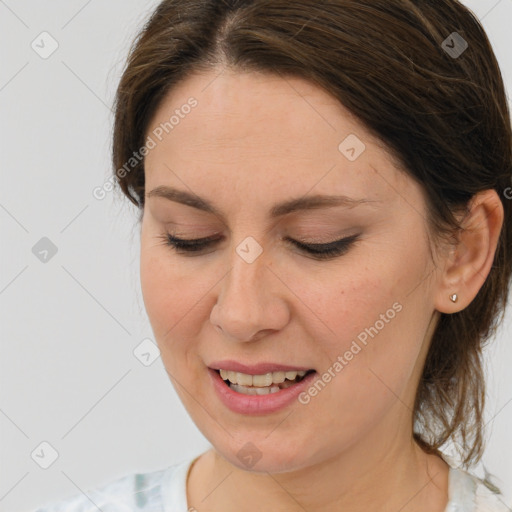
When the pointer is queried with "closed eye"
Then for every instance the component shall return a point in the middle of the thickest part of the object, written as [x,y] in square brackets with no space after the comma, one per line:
[328,250]
[318,251]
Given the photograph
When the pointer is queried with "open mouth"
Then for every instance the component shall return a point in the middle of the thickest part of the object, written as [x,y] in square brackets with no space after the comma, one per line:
[262,384]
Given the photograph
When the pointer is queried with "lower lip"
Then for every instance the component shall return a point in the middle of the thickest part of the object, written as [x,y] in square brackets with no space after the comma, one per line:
[257,404]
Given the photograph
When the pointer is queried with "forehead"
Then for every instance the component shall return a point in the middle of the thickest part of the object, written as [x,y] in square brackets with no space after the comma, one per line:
[251,129]
[258,112]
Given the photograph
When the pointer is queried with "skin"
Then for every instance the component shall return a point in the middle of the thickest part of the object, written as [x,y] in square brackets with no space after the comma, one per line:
[252,141]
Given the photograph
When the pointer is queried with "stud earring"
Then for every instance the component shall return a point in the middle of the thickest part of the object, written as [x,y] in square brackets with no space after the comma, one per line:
[454,297]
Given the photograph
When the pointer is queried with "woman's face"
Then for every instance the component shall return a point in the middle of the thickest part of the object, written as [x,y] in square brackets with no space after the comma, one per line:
[246,144]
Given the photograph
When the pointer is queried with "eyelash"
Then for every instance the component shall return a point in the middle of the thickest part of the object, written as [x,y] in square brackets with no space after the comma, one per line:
[318,251]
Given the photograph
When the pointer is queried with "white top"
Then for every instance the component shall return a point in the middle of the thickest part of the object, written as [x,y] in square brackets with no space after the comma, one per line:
[164,490]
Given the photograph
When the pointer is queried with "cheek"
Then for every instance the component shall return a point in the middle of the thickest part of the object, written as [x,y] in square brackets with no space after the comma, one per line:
[172,299]
[175,294]
[156,285]
[164,289]
[345,302]
[369,317]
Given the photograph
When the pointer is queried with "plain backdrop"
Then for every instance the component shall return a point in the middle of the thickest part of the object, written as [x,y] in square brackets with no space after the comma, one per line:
[72,313]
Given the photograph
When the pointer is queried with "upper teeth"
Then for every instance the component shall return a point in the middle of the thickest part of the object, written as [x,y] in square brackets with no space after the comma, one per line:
[259,380]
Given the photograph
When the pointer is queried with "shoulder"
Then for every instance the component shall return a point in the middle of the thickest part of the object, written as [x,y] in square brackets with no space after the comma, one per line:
[489,499]
[133,492]
[472,494]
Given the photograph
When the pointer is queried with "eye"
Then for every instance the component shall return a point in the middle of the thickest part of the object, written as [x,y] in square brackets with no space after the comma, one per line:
[318,251]
[328,250]
[188,246]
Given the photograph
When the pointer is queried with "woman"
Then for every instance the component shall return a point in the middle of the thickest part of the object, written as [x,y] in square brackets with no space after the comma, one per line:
[326,244]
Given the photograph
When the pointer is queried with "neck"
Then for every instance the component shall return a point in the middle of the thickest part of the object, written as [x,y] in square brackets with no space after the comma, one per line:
[374,475]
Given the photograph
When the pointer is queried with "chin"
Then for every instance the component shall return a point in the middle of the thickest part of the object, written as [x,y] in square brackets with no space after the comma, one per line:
[259,455]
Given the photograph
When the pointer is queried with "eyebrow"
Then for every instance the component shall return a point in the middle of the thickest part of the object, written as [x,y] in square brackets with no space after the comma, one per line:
[310,202]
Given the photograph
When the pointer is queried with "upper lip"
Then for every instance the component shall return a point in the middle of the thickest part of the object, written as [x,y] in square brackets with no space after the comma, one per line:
[255,369]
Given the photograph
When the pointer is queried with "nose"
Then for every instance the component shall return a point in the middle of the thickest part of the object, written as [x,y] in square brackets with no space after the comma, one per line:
[251,302]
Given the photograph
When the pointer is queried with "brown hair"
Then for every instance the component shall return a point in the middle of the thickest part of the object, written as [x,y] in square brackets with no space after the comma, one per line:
[444,117]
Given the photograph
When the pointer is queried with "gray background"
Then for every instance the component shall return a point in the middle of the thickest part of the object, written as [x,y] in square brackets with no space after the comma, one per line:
[70,324]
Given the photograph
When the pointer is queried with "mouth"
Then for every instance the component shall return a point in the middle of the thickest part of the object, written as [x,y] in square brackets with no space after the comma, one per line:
[257,389]
[263,384]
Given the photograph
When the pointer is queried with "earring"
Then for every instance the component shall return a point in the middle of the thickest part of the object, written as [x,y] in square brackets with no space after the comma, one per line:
[454,297]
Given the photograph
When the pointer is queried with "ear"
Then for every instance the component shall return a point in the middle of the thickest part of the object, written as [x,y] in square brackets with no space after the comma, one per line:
[469,262]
